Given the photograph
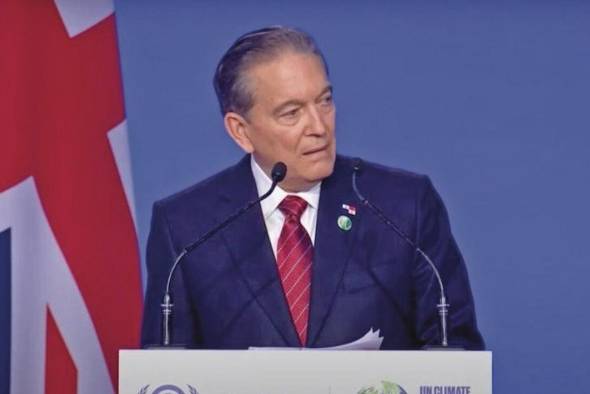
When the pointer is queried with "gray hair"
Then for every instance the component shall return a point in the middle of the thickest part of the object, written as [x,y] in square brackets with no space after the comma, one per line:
[251,49]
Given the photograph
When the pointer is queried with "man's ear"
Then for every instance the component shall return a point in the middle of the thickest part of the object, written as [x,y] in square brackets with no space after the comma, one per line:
[237,128]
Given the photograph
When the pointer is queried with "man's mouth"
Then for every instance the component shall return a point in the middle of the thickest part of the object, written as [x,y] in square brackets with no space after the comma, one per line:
[316,150]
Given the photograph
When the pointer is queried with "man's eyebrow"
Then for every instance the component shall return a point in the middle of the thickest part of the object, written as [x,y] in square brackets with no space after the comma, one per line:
[327,89]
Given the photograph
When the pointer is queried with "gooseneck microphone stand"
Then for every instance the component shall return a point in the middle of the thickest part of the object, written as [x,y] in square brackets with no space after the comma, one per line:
[279,170]
[442,306]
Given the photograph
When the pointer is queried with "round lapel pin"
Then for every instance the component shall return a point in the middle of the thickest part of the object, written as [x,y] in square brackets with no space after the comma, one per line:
[344,223]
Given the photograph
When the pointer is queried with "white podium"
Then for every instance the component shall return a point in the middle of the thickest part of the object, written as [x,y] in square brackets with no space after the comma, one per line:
[304,372]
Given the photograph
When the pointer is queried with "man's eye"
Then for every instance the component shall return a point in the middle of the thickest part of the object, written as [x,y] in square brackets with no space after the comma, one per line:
[327,100]
[290,114]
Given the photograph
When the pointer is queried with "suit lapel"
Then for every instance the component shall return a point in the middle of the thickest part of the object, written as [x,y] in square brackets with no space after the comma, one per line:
[333,246]
[250,248]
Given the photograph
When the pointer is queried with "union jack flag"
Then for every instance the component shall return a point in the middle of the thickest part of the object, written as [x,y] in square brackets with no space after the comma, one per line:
[70,288]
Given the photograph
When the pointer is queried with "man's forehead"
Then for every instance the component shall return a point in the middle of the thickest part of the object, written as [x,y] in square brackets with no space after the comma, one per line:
[288,76]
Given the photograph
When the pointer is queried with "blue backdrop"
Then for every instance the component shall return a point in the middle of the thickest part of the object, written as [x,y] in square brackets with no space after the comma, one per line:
[491,100]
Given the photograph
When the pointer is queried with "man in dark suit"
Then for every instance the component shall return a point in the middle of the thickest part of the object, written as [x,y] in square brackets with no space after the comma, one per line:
[309,266]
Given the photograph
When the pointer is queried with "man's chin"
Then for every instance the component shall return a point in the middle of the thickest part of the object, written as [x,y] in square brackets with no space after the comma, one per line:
[320,171]
[308,179]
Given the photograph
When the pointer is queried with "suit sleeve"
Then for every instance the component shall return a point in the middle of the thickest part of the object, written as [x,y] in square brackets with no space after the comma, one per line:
[160,257]
[434,237]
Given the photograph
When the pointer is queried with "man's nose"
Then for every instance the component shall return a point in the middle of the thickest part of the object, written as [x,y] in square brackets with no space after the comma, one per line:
[315,121]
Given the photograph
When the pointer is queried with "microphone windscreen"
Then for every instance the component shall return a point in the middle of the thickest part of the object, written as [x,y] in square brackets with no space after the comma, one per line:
[357,164]
[279,171]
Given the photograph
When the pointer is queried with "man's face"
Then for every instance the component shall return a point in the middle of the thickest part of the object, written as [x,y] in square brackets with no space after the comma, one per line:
[292,119]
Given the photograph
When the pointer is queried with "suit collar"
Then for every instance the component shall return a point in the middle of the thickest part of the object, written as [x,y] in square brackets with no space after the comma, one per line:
[333,245]
[269,205]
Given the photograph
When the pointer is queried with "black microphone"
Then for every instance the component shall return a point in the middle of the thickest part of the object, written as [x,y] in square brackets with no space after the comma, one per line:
[443,307]
[278,173]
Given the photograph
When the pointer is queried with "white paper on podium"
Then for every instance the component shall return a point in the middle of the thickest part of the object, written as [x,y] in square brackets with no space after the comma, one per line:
[370,341]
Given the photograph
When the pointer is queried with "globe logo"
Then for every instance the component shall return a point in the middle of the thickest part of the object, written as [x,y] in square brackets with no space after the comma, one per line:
[386,388]
[168,389]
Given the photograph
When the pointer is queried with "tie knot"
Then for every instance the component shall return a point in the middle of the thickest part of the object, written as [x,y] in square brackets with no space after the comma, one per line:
[293,206]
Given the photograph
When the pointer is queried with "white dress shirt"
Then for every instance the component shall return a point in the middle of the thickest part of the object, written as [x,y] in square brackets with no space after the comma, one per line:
[273,217]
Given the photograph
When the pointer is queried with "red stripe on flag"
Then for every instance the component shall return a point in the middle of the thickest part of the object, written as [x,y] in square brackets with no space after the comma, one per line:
[61,376]
[15,146]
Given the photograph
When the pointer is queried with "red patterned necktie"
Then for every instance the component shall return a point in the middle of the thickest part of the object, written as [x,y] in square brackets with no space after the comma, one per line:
[294,255]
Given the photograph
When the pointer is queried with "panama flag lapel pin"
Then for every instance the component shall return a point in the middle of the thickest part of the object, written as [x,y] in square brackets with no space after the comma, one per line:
[351,209]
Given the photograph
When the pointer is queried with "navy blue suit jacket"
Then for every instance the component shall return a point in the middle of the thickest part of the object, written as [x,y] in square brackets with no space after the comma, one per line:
[227,294]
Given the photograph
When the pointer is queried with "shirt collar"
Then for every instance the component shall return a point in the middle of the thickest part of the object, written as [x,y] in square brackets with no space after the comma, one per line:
[271,203]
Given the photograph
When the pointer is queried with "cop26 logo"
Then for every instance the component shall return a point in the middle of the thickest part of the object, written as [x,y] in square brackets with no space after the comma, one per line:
[386,388]
[168,389]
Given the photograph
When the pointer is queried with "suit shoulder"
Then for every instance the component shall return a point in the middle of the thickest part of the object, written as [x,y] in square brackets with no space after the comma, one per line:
[204,190]
[379,174]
